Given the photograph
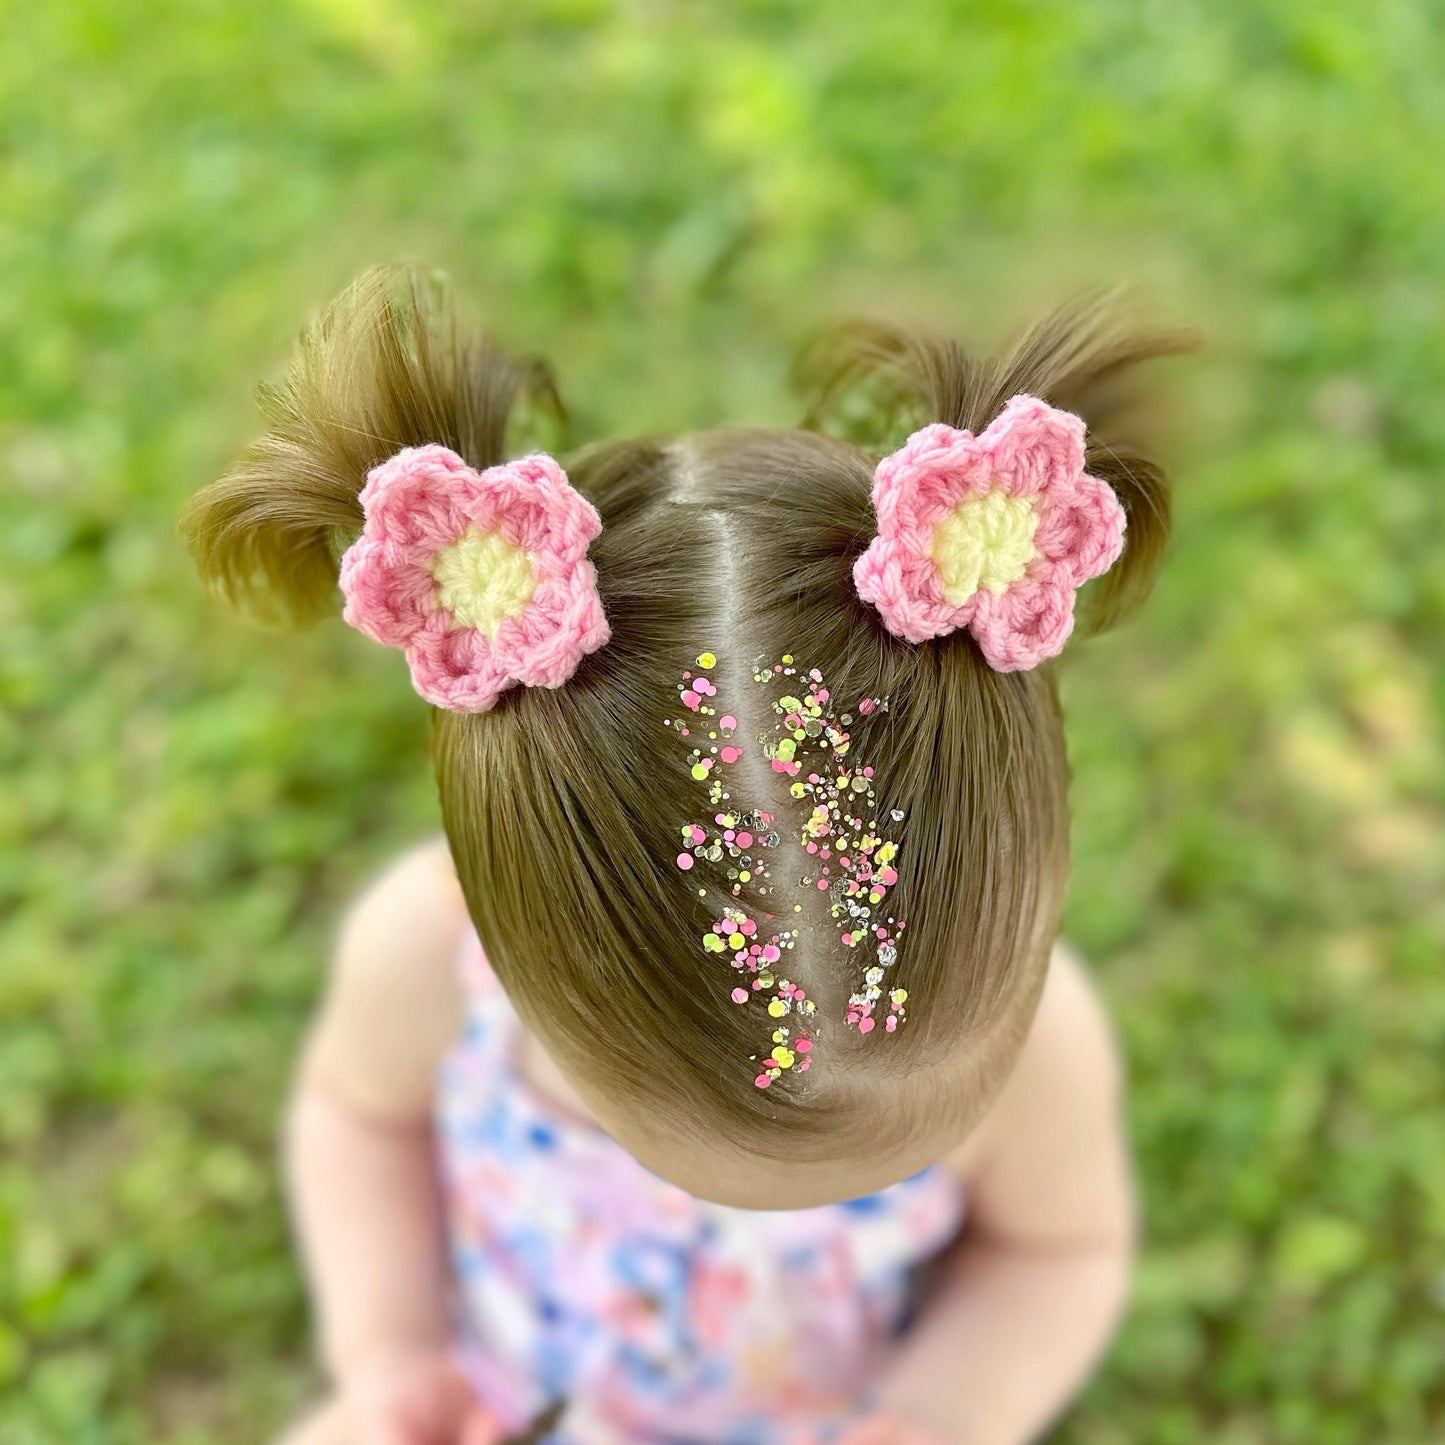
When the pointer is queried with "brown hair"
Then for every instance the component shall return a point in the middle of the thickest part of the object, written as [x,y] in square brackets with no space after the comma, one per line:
[563,807]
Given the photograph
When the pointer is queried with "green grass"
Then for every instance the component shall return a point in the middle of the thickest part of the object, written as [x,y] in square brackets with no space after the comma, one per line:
[665,205]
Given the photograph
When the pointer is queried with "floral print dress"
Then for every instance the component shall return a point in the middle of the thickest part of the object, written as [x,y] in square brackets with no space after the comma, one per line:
[634,1313]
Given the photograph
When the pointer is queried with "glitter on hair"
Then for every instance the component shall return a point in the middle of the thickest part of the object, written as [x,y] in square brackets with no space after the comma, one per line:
[840,834]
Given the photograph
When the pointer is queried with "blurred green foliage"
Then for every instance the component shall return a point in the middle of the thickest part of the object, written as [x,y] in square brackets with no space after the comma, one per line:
[665,197]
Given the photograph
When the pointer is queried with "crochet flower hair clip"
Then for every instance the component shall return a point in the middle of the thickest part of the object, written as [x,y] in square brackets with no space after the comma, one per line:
[481,577]
[994,533]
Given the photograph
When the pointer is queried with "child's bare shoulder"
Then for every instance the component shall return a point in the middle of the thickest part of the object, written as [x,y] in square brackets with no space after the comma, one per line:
[393,1001]
[1072,1036]
[1063,1096]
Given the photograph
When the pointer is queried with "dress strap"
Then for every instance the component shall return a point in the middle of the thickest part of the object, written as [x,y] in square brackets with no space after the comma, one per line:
[491,1024]
[477,978]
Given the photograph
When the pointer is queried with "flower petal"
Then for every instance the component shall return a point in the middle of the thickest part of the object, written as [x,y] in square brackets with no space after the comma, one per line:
[543,511]
[902,583]
[1021,626]
[418,498]
[1081,529]
[1033,445]
[454,667]
[935,469]
[563,622]
[388,596]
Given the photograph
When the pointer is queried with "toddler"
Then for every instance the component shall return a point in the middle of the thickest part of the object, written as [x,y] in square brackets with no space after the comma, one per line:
[720,1079]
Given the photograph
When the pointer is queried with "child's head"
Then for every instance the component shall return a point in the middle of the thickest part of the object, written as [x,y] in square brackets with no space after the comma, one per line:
[596,825]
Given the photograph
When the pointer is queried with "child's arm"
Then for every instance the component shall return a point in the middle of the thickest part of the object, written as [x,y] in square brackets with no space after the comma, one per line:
[1041,1276]
[359,1149]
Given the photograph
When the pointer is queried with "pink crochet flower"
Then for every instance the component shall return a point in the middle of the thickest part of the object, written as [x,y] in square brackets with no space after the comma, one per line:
[994,533]
[482,577]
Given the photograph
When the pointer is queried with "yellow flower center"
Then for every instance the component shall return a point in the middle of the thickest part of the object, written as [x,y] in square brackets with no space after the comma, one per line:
[482,578]
[985,541]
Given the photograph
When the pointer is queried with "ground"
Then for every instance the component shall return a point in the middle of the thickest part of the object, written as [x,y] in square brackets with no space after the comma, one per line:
[664,199]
